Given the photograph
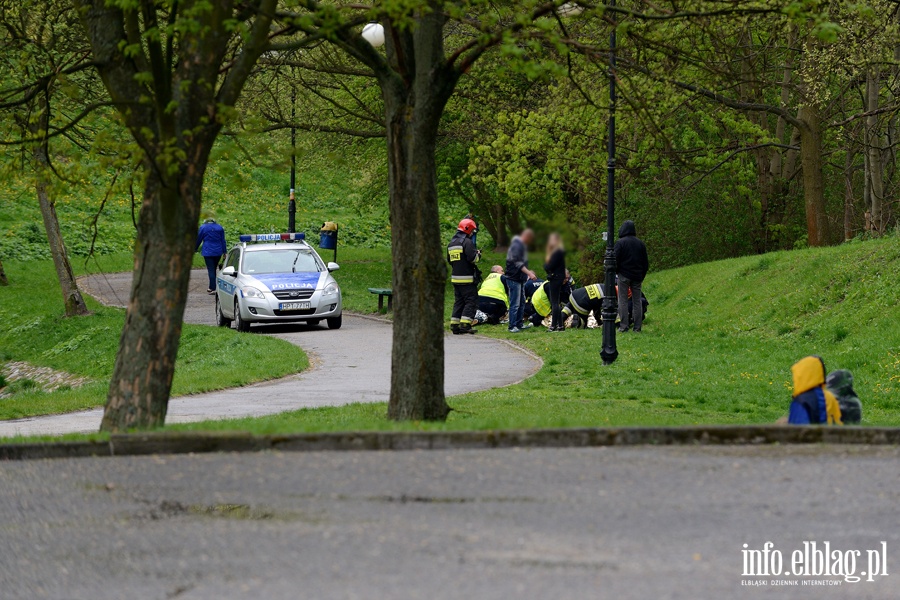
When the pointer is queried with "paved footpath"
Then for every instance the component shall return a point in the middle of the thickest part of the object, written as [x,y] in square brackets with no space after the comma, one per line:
[632,523]
[348,365]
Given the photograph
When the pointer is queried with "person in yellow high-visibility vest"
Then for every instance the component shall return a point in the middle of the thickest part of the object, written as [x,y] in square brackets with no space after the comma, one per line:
[539,306]
[493,297]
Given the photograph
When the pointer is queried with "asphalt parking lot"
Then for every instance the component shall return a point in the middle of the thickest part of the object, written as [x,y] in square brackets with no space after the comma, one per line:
[637,522]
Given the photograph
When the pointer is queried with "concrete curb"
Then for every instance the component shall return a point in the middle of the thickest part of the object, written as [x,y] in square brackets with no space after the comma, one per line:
[204,442]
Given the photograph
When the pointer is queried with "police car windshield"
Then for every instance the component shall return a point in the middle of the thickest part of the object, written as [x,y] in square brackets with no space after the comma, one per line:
[261,262]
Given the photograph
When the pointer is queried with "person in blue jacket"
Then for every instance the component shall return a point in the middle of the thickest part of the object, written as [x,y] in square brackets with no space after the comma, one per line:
[812,403]
[212,237]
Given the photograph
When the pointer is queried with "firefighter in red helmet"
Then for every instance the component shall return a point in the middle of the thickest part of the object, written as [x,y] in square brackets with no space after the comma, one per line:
[465,276]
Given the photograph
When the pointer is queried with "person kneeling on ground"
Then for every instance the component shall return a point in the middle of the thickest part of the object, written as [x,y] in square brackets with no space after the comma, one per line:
[840,383]
[538,306]
[812,403]
[493,298]
[582,302]
[587,300]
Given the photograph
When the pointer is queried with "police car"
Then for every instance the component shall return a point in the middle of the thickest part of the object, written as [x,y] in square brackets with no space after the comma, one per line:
[279,279]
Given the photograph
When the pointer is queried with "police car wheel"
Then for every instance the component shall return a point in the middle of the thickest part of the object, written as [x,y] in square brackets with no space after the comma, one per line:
[221,321]
[335,322]
[239,323]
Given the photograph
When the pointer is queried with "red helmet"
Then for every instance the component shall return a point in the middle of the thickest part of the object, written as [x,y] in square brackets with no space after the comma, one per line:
[468,226]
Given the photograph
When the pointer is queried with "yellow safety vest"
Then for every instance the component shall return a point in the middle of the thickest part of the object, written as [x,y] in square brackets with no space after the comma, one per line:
[492,287]
[540,301]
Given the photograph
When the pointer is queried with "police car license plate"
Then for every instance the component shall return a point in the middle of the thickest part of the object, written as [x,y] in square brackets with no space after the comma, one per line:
[294,306]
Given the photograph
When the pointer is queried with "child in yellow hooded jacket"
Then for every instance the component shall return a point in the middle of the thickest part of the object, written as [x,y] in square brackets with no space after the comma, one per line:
[812,403]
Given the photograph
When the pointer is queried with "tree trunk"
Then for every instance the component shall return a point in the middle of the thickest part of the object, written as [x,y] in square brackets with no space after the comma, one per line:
[512,220]
[503,234]
[72,298]
[419,267]
[849,158]
[167,234]
[875,171]
[492,215]
[173,95]
[813,178]
[414,102]
[3,279]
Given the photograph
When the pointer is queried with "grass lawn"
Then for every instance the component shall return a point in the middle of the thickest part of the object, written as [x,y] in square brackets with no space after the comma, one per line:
[33,330]
[717,349]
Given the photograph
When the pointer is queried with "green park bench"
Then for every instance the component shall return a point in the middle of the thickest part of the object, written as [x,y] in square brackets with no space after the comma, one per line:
[382,292]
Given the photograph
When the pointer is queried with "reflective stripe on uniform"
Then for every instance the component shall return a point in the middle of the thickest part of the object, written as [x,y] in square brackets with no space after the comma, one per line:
[466,321]
[463,279]
[455,253]
[578,308]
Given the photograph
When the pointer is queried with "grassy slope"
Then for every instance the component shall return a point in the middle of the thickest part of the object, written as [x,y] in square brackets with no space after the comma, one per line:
[33,330]
[717,348]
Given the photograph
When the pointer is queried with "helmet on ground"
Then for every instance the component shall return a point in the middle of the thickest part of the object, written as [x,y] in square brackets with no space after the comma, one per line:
[467,226]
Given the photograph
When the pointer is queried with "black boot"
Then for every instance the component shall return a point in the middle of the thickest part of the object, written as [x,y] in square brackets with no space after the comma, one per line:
[454,328]
[466,328]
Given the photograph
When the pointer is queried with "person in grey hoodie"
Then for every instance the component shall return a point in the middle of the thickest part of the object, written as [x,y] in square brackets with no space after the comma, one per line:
[632,265]
[517,273]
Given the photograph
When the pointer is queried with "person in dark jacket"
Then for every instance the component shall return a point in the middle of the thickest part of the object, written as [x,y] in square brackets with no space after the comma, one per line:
[632,265]
[465,276]
[212,237]
[555,266]
[517,273]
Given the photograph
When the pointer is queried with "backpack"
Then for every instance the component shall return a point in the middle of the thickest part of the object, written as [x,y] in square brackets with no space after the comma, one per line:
[840,383]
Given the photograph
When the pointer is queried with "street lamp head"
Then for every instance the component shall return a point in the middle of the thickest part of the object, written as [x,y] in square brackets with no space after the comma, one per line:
[570,9]
[374,34]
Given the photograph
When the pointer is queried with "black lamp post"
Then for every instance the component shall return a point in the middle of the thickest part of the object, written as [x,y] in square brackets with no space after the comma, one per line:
[609,353]
[292,205]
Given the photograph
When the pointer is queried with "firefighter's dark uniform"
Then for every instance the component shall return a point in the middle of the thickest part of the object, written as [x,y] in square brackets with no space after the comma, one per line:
[587,300]
[584,301]
[462,255]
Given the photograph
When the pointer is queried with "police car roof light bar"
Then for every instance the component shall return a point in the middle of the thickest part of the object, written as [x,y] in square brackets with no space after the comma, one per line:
[273,237]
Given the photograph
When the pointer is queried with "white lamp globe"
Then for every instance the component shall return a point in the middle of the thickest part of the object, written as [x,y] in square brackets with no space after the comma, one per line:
[374,34]
[570,9]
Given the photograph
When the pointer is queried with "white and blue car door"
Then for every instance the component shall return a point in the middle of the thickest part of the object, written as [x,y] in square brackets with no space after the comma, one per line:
[226,285]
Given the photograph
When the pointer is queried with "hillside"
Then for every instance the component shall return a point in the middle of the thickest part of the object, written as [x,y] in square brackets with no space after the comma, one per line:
[749,319]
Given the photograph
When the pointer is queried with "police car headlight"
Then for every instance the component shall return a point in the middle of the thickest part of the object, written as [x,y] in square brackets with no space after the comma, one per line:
[252,292]
[331,289]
